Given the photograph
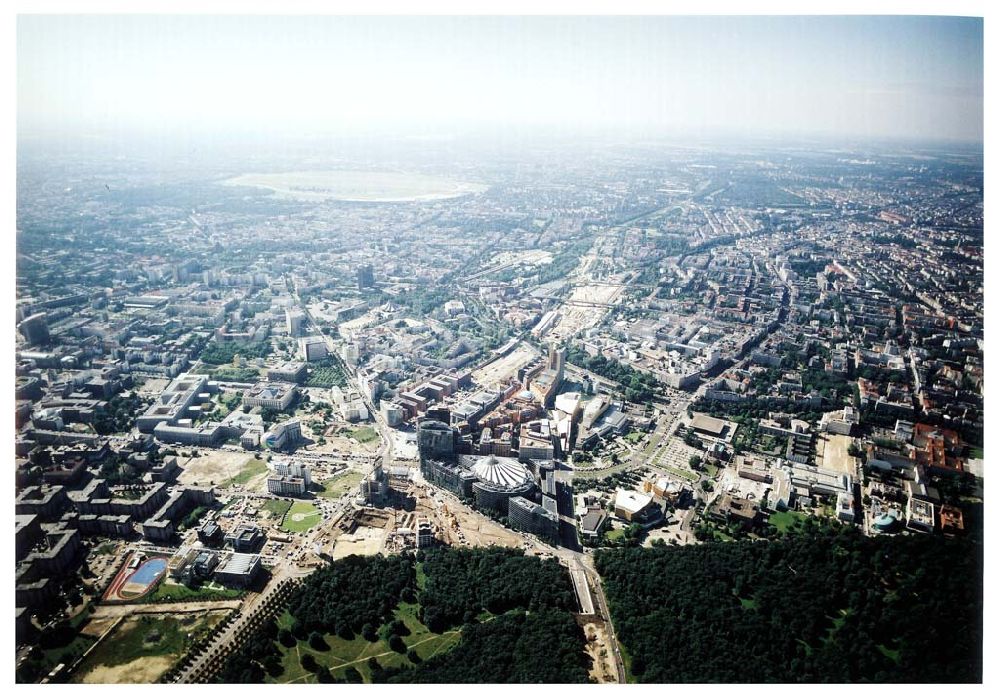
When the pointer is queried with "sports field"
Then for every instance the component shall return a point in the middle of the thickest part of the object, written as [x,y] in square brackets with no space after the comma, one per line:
[130,583]
[300,517]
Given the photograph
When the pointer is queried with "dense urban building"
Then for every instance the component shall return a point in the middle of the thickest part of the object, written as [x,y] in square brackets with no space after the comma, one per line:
[256,367]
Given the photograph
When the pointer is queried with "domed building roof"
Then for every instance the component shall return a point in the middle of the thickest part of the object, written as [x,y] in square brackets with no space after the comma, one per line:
[885,521]
[502,473]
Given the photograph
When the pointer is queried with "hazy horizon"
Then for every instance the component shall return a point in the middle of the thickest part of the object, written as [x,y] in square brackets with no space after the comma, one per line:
[869,78]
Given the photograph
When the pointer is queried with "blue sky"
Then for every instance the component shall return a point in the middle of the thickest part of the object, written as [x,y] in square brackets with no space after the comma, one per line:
[912,77]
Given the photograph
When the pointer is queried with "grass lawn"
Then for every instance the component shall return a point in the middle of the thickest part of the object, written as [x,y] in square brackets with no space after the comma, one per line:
[651,446]
[425,642]
[721,535]
[167,591]
[300,517]
[614,535]
[356,652]
[277,508]
[683,474]
[365,434]
[337,486]
[147,637]
[252,468]
[785,520]
[634,437]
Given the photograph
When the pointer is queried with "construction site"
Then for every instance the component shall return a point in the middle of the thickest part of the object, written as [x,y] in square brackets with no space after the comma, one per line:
[419,516]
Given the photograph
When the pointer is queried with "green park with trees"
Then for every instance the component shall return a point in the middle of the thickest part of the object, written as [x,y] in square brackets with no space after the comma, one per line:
[445,615]
[833,606]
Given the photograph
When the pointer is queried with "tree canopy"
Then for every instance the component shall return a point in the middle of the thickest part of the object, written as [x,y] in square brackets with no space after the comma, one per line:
[496,579]
[538,647]
[344,596]
[831,607]
[357,595]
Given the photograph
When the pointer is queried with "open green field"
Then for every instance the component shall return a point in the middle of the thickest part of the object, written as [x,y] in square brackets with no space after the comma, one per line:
[300,517]
[615,535]
[653,444]
[786,520]
[365,434]
[276,508]
[142,649]
[252,468]
[167,591]
[356,652]
[337,486]
[683,474]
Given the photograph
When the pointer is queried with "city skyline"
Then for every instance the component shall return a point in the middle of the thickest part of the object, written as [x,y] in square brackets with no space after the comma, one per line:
[541,350]
[868,77]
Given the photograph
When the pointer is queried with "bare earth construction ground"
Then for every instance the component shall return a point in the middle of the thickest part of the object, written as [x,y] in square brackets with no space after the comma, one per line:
[219,466]
[577,317]
[832,453]
[496,373]
[143,647]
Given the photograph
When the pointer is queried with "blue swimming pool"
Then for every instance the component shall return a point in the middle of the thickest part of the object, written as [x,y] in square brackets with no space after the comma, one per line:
[148,572]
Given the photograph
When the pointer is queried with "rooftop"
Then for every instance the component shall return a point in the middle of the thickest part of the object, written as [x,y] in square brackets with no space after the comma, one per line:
[240,563]
[631,501]
[709,424]
[501,472]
